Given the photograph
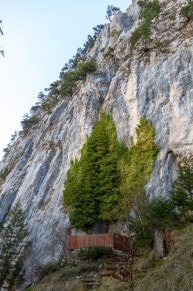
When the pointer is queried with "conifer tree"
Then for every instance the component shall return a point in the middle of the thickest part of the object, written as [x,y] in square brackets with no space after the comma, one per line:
[12,234]
[181,194]
[92,187]
[104,184]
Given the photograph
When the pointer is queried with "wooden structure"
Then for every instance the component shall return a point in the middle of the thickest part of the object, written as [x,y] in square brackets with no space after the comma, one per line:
[112,240]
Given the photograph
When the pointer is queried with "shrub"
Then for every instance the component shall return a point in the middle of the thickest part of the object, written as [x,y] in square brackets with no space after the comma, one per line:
[109,52]
[151,214]
[158,45]
[160,213]
[145,31]
[135,37]
[70,78]
[28,123]
[187,11]
[86,68]
[181,194]
[4,173]
[115,33]
[149,11]
[94,253]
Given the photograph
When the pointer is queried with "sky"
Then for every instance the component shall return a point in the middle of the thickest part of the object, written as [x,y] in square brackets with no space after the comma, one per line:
[39,37]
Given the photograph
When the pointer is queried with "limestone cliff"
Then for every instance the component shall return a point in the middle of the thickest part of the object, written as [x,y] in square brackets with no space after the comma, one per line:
[154,79]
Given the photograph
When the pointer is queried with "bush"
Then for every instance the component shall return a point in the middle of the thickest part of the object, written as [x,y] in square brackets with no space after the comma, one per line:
[28,123]
[160,213]
[4,173]
[187,11]
[115,33]
[86,68]
[135,37]
[109,52]
[149,11]
[70,78]
[149,215]
[94,253]
[181,194]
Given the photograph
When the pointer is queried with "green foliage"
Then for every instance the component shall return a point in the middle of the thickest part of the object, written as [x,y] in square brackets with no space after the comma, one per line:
[160,213]
[109,52]
[82,52]
[187,11]
[151,214]
[84,69]
[149,11]
[28,123]
[136,173]
[75,70]
[172,16]
[92,186]
[4,173]
[70,78]
[12,234]
[69,83]
[181,193]
[94,253]
[115,33]
[159,45]
[135,37]
[111,11]
[107,180]
[143,32]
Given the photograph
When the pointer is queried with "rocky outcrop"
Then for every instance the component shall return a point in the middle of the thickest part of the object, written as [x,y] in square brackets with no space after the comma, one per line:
[154,79]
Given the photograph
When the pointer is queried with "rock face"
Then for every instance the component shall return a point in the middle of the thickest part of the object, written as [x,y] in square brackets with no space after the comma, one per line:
[155,80]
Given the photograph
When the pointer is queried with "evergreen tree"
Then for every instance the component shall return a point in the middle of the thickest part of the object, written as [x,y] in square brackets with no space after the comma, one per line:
[107,180]
[12,234]
[111,11]
[137,171]
[181,193]
[92,186]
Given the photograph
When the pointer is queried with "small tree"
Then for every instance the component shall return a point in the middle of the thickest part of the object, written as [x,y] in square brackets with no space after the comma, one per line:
[181,193]
[12,235]
[150,216]
[111,11]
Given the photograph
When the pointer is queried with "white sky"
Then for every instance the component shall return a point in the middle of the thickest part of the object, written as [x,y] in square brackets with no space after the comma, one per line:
[40,36]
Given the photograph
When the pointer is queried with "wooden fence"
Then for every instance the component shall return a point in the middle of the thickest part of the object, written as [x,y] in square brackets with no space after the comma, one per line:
[112,240]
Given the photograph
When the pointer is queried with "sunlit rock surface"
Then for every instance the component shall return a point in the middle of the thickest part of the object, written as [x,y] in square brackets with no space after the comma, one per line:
[153,81]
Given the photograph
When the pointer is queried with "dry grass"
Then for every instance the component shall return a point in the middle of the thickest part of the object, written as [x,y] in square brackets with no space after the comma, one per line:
[174,272]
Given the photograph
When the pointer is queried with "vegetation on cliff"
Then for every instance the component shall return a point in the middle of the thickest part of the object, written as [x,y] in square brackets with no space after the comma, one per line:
[149,11]
[187,11]
[105,183]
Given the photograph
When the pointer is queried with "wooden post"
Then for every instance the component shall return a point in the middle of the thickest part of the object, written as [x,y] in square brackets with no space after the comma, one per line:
[159,243]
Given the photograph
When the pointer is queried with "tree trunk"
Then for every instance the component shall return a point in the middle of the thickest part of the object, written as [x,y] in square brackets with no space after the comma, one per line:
[159,248]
